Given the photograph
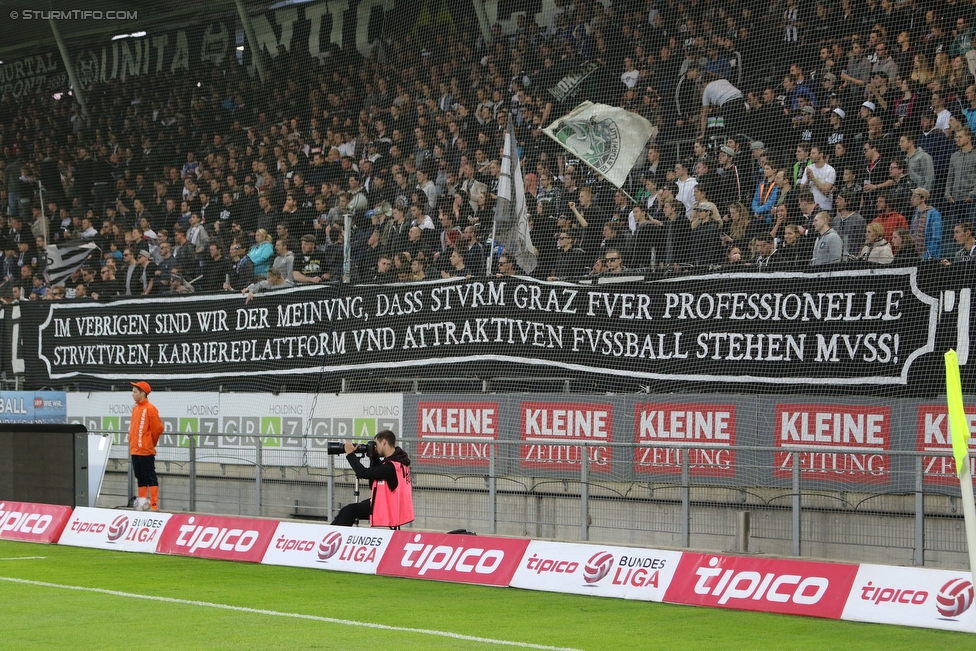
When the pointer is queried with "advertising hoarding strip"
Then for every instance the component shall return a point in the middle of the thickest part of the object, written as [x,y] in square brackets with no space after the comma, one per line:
[30,522]
[919,597]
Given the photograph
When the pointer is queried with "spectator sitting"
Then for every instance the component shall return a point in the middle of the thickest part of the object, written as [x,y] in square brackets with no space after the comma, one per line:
[903,244]
[285,259]
[274,282]
[962,233]
[457,268]
[310,264]
[614,262]
[261,252]
[829,248]
[876,248]
[418,269]
[887,216]
[384,270]
[178,285]
[242,273]
[569,259]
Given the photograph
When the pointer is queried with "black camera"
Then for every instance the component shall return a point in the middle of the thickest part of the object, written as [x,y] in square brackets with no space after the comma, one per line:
[338,447]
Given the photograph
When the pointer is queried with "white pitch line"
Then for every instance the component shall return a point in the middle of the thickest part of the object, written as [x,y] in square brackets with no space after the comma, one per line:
[276,613]
[22,558]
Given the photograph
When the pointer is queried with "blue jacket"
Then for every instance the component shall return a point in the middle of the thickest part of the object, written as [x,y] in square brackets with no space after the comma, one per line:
[261,255]
[763,208]
[933,233]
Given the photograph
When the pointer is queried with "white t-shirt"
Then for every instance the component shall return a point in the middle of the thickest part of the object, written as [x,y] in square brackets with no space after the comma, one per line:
[825,174]
[630,78]
[719,92]
[686,193]
[942,119]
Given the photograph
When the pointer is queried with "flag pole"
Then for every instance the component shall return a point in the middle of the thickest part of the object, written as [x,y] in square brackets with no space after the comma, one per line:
[491,249]
[969,513]
[959,432]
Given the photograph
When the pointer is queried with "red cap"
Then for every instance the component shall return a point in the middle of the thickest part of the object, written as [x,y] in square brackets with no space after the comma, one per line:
[142,386]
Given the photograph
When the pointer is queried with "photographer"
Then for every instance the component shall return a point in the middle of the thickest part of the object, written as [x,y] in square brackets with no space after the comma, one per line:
[391,500]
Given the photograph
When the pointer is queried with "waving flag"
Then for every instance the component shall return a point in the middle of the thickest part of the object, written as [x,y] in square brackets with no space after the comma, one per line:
[605,138]
[511,214]
[64,261]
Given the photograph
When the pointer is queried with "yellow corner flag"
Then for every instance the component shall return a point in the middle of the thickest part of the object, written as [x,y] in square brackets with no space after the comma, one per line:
[958,424]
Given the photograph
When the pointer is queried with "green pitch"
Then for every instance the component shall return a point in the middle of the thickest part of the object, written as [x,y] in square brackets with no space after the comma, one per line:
[36,616]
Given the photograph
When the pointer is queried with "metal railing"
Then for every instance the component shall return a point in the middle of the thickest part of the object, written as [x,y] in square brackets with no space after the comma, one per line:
[850,503]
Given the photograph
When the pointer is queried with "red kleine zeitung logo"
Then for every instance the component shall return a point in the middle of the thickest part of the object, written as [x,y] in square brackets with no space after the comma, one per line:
[597,567]
[118,527]
[330,544]
[954,598]
[38,403]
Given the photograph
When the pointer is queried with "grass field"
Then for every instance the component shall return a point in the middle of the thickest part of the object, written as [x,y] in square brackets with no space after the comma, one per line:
[34,616]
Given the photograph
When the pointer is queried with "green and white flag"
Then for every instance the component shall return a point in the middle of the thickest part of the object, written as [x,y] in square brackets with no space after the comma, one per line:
[606,138]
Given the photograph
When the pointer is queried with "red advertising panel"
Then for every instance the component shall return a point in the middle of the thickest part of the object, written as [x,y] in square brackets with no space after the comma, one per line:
[211,536]
[828,426]
[29,522]
[460,429]
[446,557]
[762,584]
[933,436]
[713,424]
[547,424]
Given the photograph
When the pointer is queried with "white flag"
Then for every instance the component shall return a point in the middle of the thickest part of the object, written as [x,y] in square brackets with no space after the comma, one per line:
[606,138]
[511,215]
[63,262]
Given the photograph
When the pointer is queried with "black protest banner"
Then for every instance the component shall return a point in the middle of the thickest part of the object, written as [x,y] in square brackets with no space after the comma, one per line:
[840,329]
[178,50]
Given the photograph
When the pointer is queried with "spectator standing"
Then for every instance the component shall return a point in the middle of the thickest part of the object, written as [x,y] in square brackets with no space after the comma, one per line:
[821,177]
[848,224]
[960,189]
[216,270]
[926,226]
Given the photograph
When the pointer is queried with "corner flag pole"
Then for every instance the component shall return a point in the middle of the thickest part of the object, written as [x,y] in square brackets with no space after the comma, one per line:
[959,431]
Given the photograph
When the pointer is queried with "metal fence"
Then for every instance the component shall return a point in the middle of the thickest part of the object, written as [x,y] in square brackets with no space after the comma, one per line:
[853,504]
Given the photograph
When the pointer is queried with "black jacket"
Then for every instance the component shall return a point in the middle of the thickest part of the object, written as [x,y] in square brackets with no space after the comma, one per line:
[379,469]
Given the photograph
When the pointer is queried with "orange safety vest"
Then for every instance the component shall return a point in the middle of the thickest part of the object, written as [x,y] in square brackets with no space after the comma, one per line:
[392,508]
[145,428]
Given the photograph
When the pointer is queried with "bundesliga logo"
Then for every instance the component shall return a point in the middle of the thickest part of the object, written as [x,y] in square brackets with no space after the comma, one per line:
[330,545]
[117,528]
[597,567]
[954,598]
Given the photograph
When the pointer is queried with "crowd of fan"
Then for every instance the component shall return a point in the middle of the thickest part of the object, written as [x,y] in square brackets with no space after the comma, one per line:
[786,136]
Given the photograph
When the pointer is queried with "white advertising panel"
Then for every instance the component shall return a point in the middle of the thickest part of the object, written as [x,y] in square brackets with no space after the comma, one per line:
[279,422]
[124,531]
[599,570]
[912,596]
[322,547]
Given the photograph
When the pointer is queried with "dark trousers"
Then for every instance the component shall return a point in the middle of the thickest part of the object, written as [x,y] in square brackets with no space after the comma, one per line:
[144,468]
[350,513]
[734,115]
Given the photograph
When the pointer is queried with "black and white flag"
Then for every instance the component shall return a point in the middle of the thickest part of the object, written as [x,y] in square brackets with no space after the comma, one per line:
[64,261]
